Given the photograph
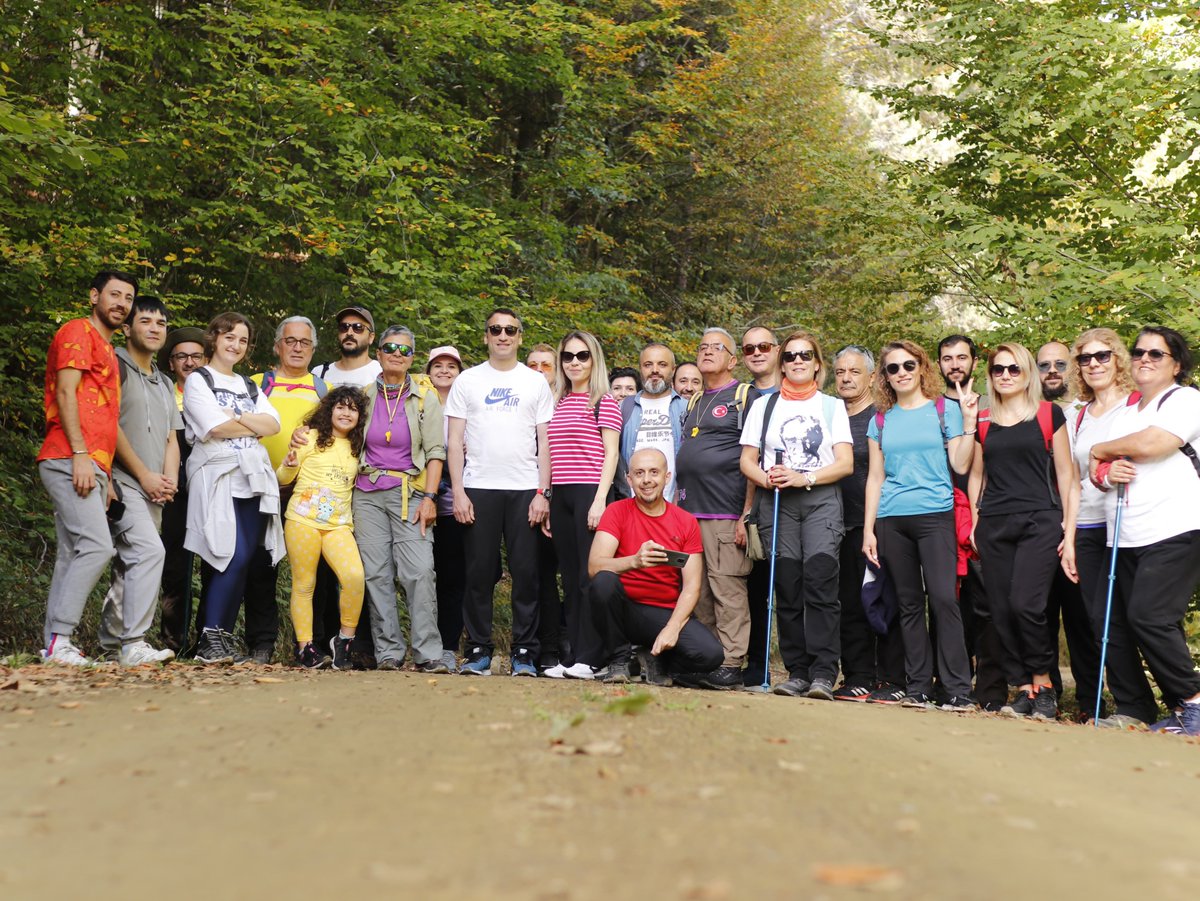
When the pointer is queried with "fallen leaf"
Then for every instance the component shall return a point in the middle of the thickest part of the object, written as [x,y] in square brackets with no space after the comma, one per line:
[68,705]
[855,875]
[777,741]
[602,749]
[11,684]
[268,680]
[712,891]
[147,708]
[792,766]
[496,727]
[629,705]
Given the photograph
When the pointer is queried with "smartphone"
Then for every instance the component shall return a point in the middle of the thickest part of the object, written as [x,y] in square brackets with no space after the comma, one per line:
[676,558]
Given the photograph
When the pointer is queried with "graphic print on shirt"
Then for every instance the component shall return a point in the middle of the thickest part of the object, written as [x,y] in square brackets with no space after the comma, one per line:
[239,403]
[506,397]
[802,437]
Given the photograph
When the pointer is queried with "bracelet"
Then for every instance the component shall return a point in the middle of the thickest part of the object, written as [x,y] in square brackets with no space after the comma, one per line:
[76,453]
[812,480]
[972,432]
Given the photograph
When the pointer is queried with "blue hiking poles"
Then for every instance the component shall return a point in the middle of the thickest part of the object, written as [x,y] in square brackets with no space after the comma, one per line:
[766,685]
[1112,580]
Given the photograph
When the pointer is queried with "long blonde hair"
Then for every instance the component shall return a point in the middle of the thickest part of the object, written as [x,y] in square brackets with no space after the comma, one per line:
[1110,339]
[1024,405]
[597,381]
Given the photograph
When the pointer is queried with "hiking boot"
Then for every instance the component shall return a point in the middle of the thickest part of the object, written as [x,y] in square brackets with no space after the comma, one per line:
[917,700]
[992,706]
[1020,707]
[362,660]
[233,648]
[429,667]
[723,678]
[476,664]
[62,652]
[820,690]
[618,673]
[449,660]
[521,664]
[1045,704]
[389,665]
[687,680]
[580,671]
[852,693]
[1189,717]
[139,653]
[262,656]
[310,658]
[212,648]
[340,645]
[795,687]
[653,670]
[887,693]
[959,704]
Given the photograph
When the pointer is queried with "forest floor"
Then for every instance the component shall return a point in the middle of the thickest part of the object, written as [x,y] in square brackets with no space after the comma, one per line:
[237,782]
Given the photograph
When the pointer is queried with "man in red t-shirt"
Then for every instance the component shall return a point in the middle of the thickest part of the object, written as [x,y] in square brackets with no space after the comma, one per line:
[83,408]
[649,600]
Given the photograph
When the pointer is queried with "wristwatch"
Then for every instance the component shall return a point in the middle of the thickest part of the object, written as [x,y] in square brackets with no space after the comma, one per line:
[545,492]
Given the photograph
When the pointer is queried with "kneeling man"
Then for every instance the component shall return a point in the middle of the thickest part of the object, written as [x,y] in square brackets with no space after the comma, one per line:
[646,565]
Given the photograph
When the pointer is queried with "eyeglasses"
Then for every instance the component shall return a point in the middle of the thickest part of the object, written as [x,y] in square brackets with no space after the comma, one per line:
[510,330]
[357,327]
[541,366]
[582,356]
[790,356]
[306,343]
[1059,365]
[714,346]
[997,370]
[1100,356]
[393,348]
[893,368]
[1153,353]
[762,347]
[180,357]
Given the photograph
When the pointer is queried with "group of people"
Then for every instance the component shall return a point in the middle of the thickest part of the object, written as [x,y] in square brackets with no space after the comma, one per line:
[918,539]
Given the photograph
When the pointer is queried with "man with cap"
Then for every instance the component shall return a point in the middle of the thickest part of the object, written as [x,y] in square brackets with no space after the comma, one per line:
[181,355]
[356,333]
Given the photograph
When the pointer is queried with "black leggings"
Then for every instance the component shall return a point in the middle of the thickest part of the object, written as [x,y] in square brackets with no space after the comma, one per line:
[569,506]
[867,657]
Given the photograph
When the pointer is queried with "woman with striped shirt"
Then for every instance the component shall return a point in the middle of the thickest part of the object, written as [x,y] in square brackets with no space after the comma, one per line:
[583,434]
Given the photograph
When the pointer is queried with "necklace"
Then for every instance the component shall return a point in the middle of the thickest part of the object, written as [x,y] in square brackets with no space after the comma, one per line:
[391,410]
[705,409]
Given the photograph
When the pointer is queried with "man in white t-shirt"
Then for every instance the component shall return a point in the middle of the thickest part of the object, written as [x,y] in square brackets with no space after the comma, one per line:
[652,418]
[499,409]
[356,333]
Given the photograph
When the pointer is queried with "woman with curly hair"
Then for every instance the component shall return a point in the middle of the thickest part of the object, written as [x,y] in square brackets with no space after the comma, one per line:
[319,521]
[909,519]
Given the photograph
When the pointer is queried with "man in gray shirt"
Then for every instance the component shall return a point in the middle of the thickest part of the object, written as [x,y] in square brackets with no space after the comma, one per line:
[146,473]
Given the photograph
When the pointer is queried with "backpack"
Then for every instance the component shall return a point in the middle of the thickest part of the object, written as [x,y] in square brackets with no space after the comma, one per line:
[1186,448]
[268,384]
[1045,422]
[251,388]
[739,401]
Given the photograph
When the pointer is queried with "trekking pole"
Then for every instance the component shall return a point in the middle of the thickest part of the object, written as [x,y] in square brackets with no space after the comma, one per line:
[766,686]
[1112,579]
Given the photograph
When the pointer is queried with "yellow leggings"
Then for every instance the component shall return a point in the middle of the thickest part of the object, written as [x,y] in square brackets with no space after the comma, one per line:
[305,545]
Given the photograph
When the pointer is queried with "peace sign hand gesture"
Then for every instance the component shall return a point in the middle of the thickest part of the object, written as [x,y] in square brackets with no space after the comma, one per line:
[968,402]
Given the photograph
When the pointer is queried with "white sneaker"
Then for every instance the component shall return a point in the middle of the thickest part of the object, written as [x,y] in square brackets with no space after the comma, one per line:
[140,653]
[580,671]
[65,653]
[558,671]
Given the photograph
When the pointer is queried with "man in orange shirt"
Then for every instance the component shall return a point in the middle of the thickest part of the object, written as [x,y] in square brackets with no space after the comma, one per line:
[83,406]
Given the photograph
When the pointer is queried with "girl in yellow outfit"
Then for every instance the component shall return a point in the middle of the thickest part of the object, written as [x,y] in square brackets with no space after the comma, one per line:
[319,521]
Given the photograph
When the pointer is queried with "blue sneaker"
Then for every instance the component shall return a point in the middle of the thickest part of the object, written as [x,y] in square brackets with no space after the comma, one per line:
[477,664]
[1189,718]
[522,664]
[1170,725]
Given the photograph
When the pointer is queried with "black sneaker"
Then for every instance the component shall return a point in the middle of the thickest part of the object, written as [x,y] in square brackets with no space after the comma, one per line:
[959,704]
[820,690]
[723,678]
[618,673]
[852,693]
[687,680]
[310,658]
[262,656]
[653,670]
[992,706]
[1021,706]
[1045,704]
[211,648]
[234,649]
[794,687]
[917,700]
[340,645]
[887,693]
[429,667]
[389,665]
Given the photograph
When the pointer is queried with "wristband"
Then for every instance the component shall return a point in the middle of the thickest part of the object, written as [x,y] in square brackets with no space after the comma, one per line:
[1101,479]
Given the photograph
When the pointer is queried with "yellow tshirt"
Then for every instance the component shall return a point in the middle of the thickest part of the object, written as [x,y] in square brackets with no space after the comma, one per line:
[324,484]
[293,399]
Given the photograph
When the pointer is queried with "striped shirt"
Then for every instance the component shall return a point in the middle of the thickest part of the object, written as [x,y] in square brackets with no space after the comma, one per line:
[576,448]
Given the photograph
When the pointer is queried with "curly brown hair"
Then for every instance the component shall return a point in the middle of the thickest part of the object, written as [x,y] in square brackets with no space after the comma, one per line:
[321,418]
[881,388]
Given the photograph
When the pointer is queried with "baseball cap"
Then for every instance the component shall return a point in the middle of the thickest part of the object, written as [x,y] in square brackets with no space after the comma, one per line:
[357,311]
[178,336]
[446,350]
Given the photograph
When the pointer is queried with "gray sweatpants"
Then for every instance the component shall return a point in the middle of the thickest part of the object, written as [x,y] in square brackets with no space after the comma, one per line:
[84,545]
[393,549]
[128,610]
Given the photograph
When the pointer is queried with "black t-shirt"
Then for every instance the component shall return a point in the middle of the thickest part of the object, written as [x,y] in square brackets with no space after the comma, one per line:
[854,486]
[708,473]
[1020,473]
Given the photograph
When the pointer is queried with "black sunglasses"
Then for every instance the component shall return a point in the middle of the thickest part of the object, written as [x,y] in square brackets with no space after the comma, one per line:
[582,356]
[1100,356]
[393,348]
[1153,353]
[509,330]
[997,370]
[762,347]
[790,356]
[1059,365]
[357,327]
[893,368]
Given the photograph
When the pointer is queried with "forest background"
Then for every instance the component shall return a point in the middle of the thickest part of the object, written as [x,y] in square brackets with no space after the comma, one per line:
[864,168]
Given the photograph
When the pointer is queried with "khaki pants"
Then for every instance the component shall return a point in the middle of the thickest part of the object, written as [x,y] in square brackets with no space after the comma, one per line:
[724,606]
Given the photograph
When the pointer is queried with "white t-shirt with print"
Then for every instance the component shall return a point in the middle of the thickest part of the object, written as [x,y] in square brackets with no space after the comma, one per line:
[654,432]
[800,429]
[204,410]
[334,376]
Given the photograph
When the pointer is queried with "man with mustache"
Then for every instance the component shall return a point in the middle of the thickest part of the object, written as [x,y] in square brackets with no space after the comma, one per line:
[653,417]
[356,333]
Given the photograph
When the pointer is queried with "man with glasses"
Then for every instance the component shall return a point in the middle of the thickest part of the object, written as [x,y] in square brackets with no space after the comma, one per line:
[356,331]
[500,410]
[541,359]
[760,356]
[712,488]
[1052,371]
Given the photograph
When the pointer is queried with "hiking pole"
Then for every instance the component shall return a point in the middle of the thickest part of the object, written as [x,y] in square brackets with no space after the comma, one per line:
[1112,579]
[766,685]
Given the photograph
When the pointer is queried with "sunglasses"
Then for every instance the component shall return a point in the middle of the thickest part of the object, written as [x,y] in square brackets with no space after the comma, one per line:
[1059,365]
[762,347]
[1100,356]
[357,327]
[543,366]
[497,330]
[907,365]
[1154,354]
[790,356]
[997,370]
[582,356]
[393,348]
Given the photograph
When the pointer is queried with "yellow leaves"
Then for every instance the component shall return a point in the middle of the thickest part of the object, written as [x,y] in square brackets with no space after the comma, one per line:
[170,258]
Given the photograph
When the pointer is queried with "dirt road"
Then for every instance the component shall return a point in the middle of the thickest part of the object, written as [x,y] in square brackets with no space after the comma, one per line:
[272,783]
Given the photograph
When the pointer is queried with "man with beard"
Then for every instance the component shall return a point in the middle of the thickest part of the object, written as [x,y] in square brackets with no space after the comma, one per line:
[653,417]
[1052,370]
[957,356]
[356,333]
[82,402]
[146,473]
